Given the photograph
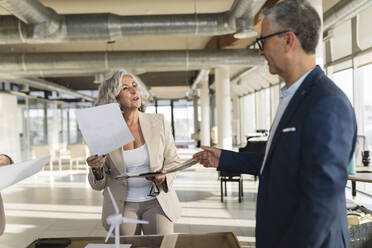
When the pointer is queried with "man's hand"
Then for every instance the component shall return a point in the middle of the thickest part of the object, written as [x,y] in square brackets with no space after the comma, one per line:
[209,157]
[158,179]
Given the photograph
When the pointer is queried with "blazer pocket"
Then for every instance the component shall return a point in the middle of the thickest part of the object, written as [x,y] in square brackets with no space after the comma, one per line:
[288,129]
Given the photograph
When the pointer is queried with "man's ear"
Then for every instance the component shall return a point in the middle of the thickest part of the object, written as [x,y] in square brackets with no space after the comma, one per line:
[290,40]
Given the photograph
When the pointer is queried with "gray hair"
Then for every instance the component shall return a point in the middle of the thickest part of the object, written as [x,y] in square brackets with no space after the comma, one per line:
[110,88]
[299,17]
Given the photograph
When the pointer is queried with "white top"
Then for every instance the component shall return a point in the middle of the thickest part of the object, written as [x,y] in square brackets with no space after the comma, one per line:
[137,161]
[286,95]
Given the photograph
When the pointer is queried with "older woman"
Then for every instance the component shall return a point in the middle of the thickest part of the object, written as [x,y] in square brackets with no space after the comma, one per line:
[4,160]
[153,199]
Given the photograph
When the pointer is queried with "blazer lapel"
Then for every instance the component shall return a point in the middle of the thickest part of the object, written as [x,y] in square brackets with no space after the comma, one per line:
[151,134]
[293,106]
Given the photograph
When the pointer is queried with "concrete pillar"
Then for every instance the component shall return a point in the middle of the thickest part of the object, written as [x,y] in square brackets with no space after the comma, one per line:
[54,138]
[223,105]
[260,114]
[236,123]
[45,123]
[9,141]
[318,5]
[27,153]
[205,131]
[68,127]
[195,102]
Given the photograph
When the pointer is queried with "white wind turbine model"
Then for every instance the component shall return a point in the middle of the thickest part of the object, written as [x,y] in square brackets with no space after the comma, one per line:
[116,219]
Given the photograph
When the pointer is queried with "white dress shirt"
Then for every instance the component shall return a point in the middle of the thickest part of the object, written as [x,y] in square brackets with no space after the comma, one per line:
[286,95]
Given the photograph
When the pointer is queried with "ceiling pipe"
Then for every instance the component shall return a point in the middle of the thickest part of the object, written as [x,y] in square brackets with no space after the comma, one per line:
[43,21]
[108,27]
[343,12]
[242,75]
[149,60]
[50,86]
[196,84]
[243,13]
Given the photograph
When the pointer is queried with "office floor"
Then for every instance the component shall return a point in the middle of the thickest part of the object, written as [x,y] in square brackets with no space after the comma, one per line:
[62,204]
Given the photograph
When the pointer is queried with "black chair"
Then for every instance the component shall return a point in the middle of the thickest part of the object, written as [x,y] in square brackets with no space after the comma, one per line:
[231,177]
[255,144]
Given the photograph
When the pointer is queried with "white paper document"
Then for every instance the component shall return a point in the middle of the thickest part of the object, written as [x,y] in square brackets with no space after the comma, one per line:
[13,173]
[104,128]
[106,246]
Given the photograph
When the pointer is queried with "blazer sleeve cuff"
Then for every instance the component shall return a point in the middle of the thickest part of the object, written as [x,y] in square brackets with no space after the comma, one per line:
[96,184]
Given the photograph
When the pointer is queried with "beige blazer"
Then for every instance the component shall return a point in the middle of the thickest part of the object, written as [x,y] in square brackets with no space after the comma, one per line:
[163,155]
[2,217]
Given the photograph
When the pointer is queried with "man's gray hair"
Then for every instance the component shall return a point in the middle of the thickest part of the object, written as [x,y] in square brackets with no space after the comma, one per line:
[299,17]
[110,88]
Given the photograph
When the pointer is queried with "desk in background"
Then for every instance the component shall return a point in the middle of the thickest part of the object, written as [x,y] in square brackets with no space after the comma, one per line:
[363,174]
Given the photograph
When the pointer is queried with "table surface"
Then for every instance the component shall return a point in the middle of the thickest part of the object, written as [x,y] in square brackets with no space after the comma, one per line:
[209,240]
[363,174]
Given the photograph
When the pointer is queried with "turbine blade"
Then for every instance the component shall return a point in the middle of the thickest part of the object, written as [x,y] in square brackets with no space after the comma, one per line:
[117,236]
[127,220]
[109,232]
[113,200]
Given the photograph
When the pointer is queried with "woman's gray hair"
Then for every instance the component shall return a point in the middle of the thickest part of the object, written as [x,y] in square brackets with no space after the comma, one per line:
[299,17]
[110,88]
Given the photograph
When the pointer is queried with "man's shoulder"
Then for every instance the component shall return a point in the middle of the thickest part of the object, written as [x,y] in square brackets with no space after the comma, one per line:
[325,87]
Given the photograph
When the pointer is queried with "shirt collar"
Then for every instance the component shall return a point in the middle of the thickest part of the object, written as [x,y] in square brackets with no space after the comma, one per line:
[289,92]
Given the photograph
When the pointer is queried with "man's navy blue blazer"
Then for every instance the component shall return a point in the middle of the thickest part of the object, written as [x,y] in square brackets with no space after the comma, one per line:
[301,194]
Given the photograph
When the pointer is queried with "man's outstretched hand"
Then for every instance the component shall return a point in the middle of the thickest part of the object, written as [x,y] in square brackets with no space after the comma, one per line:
[209,157]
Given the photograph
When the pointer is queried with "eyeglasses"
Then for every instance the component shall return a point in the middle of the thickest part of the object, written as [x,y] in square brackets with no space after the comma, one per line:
[261,41]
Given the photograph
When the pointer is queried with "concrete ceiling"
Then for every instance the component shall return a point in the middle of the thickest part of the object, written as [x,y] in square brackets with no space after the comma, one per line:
[163,84]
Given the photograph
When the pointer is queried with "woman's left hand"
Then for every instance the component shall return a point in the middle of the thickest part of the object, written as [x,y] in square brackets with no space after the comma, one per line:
[158,179]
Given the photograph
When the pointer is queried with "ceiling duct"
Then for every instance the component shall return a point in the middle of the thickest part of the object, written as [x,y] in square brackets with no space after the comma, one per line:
[42,21]
[242,13]
[198,80]
[343,12]
[41,63]
[107,27]
[242,75]
[50,86]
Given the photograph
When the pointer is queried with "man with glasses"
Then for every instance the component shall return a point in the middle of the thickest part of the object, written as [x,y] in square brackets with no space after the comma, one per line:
[303,173]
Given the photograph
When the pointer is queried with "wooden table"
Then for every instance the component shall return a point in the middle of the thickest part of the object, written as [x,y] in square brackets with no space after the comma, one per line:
[208,240]
[363,174]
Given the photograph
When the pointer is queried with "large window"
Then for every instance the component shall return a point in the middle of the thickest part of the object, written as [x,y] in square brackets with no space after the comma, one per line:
[267,108]
[263,112]
[366,79]
[344,80]
[36,120]
[249,114]
[164,108]
[150,109]
[183,113]
[183,121]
